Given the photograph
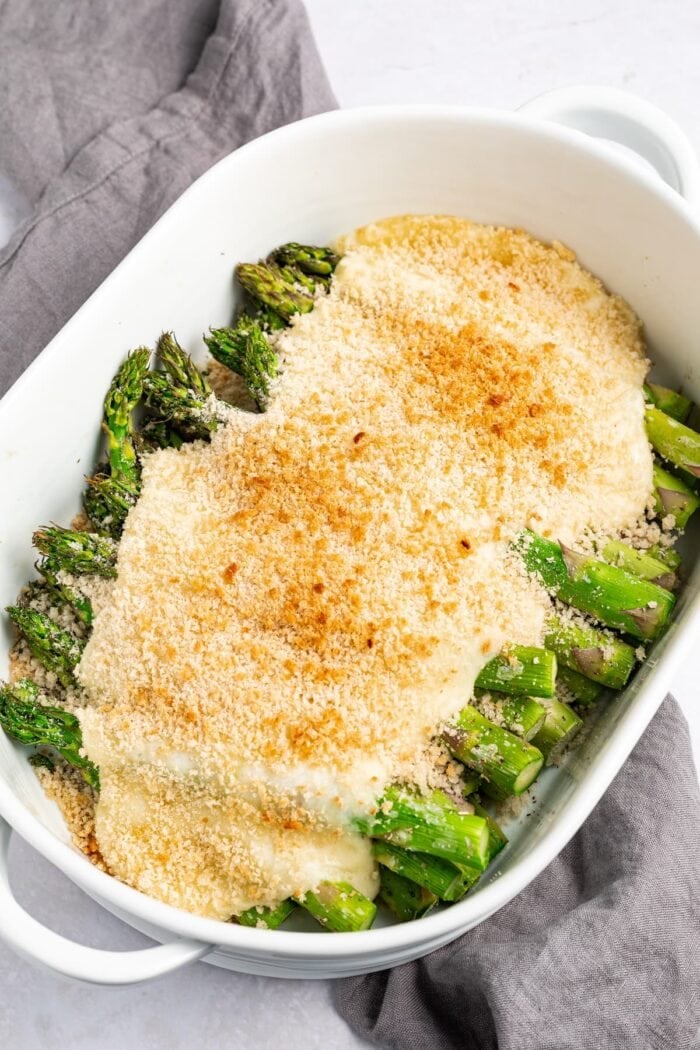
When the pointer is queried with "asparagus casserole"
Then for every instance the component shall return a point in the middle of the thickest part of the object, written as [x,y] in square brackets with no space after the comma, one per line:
[339,595]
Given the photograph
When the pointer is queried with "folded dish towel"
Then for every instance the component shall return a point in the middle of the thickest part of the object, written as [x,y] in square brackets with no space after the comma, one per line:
[110,111]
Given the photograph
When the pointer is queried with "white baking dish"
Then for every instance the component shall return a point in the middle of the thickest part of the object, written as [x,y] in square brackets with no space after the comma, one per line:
[311,181]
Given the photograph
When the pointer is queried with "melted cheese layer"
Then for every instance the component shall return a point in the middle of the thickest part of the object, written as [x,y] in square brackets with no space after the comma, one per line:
[303,601]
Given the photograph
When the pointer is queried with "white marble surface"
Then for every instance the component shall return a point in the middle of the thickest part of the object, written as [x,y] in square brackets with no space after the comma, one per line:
[471,51]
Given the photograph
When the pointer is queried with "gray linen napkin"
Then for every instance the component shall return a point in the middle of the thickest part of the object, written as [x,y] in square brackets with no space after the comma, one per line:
[109,112]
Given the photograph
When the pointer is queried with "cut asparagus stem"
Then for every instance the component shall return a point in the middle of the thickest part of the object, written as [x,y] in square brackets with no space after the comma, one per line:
[267,918]
[430,824]
[506,762]
[190,413]
[404,898]
[580,689]
[57,650]
[316,261]
[78,553]
[521,715]
[246,351]
[673,441]
[470,782]
[122,398]
[611,595]
[25,719]
[498,839]
[180,366]
[107,502]
[271,285]
[596,654]
[669,401]
[673,497]
[639,563]
[668,555]
[439,876]
[520,670]
[560,727]
[64,594]
[339,906]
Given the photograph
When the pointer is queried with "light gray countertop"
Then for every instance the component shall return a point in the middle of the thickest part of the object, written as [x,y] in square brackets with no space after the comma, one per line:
[454,51]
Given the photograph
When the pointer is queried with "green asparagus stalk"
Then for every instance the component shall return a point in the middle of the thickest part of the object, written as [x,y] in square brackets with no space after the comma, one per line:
[78,553]
[560,727]
[639,563]
[673,441]
[506,762]
[521,715]
[520,670]
[596,654]
[580,689]
[122,398]
[268,319]
[669,401]
[156,433]
[498,839]
[107,502]
[267,918]
[339,906]
[470,782]
[190,413]
[64,594]
[439,876]
[673,497]
[316,261]
[57,650]
[275,287]
[668,555]
[180,366]
[25,719]
[611,595]
[246,351]
[429,824]
[404,898]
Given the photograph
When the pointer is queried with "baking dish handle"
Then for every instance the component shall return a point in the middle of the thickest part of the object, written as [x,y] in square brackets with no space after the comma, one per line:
[93,965]
[627,123]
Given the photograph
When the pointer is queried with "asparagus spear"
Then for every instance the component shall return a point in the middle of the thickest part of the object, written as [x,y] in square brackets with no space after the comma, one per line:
[673,496]
[79,553]
[470,782]
[316,261]
[268,319]
[669,401]
[498,839]
[639,563]
[156,433]
[520,714]
[246,351]
[62,593]
[507,763]
[404,898]
[276,288]
[439,876]
[429,824]
[560,727]
[189,412]
[609,594]
[339,906]
[267,918]
[122,398]
[107,502]
[25,719]
[596,654]
[520,670]
[668,555]
[180,366]
[57,650]
[674,441]
[581,689]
